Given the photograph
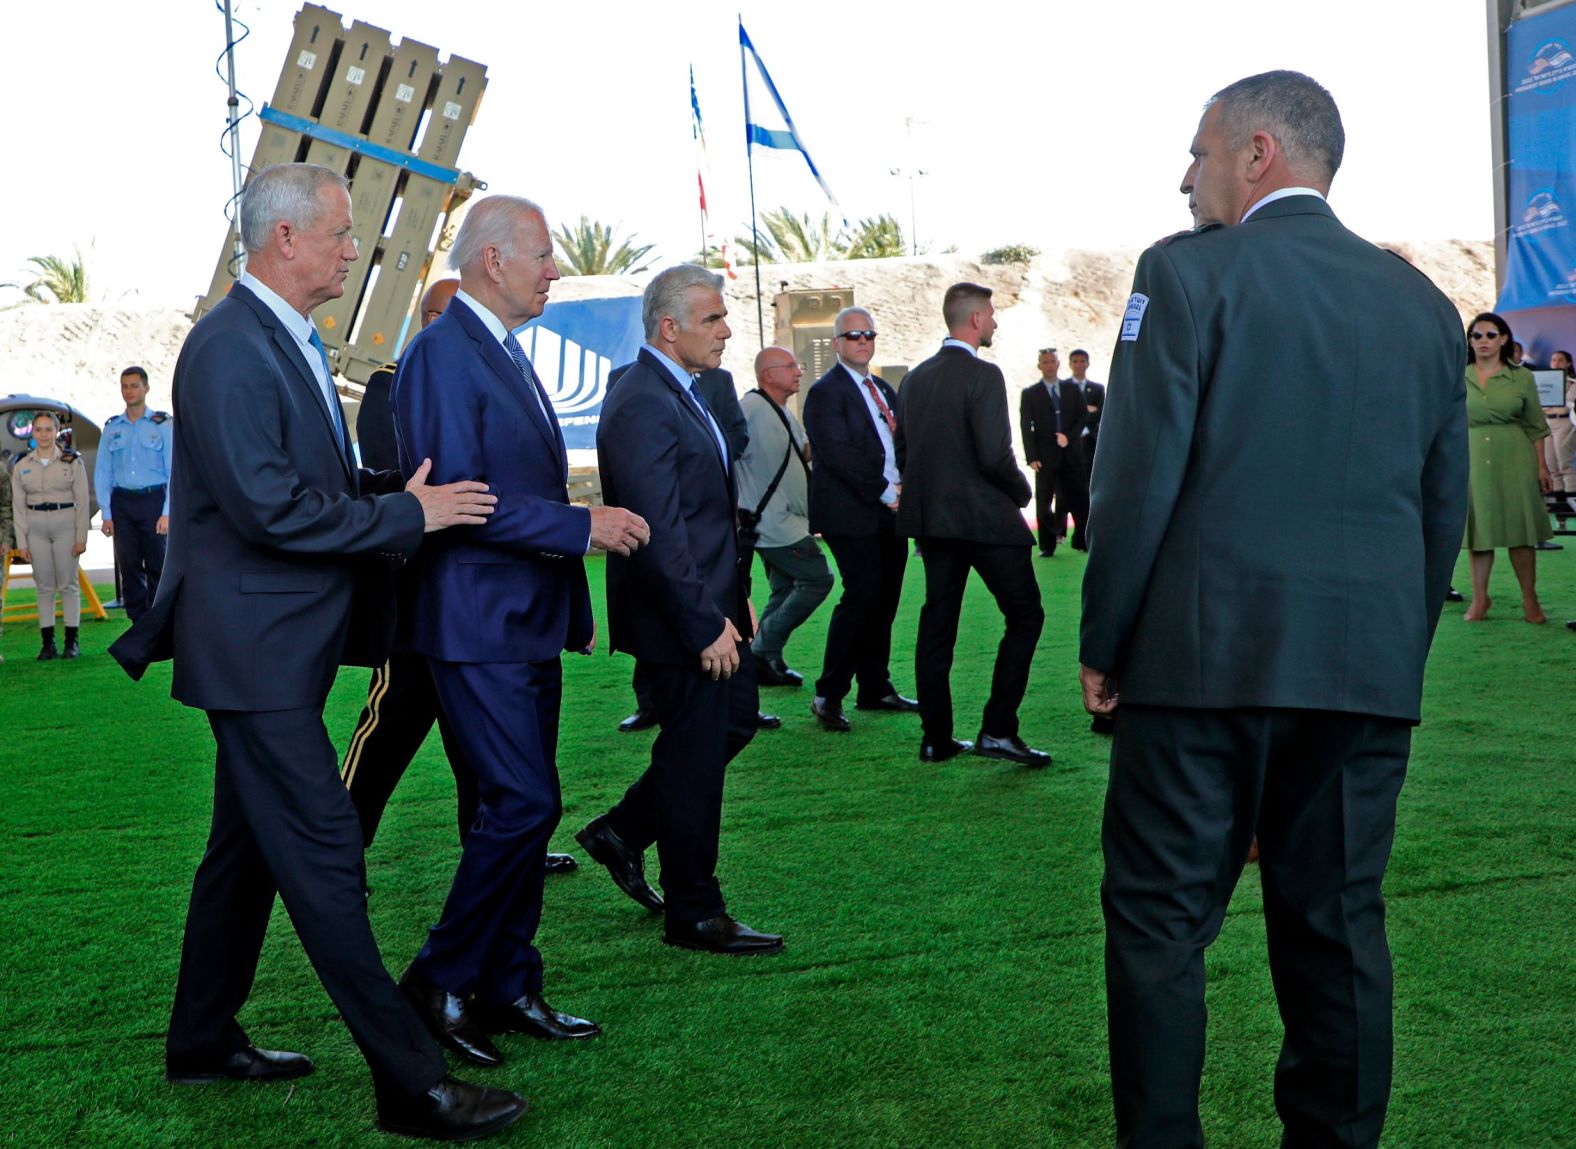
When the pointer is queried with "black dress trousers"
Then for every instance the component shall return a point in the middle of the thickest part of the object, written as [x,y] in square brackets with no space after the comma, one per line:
[1188,791]
[283,822]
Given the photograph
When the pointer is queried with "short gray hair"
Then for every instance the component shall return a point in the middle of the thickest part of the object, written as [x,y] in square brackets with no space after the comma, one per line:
[837,322]
[1294,109]
[490,222]
[665,295]
[283,193]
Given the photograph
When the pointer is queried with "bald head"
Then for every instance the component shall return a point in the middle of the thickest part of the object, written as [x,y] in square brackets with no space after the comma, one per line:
[777,373]
[436,299]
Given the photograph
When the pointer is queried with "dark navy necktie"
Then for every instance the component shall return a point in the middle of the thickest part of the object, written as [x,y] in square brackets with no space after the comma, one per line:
[711,421]
[517,353]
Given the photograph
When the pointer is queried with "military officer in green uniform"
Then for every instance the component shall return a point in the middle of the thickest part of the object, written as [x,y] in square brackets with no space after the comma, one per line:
[1265,645]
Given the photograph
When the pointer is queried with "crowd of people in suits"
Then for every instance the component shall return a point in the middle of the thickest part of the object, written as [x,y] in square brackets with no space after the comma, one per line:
[1207,611]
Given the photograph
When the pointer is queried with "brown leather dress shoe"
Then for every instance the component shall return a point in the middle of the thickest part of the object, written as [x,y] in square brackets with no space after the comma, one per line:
[532,1016]
[720,935]
[449,1020]
[249,1064]
[561,863]
[452,1110]
[626,865]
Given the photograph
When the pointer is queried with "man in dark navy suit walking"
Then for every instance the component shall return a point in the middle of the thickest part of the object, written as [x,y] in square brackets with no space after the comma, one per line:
[679,607]
[274,537]
[492,608]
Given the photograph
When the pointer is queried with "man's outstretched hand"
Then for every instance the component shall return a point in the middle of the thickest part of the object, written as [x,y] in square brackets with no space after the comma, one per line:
[463,504]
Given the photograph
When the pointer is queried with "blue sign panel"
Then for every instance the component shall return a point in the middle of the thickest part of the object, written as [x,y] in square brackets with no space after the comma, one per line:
[1539,293]
[573,346]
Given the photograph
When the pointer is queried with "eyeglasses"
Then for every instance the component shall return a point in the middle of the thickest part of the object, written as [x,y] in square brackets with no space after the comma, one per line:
[1485,335]
[856,336]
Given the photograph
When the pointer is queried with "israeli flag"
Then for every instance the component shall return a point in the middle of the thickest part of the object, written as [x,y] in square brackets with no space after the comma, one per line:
[785,138]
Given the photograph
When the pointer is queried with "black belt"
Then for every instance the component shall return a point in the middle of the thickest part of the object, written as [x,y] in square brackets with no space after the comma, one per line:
[141,490]
[51,506]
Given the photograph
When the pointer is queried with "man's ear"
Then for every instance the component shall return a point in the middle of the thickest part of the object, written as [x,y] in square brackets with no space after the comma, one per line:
[1263,150]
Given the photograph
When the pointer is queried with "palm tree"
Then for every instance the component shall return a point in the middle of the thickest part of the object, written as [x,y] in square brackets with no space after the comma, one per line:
[878,238]
[64,279]
[587,249]
[789,238]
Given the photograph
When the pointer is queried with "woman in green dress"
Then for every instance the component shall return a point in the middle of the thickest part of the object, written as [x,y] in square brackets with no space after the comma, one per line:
[1505,501]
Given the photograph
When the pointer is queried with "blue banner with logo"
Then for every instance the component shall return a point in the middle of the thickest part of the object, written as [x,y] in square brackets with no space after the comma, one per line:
[573,345]
[1539,293]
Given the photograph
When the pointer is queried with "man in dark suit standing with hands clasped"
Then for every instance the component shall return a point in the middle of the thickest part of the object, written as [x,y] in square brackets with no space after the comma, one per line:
[849,416]
[492,607]
[272,531]
[1269,655]
[679,607]
[1051,418]
[962,491]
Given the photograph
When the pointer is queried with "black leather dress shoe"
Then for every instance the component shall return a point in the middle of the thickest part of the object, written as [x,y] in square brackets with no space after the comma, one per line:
[627,866]
[1010,748]
[941,751]
[452,1110]
[1453,595]
[449,1020]
[533,1017]
[775,672]
[893,701]
[829,715]
[561,863]
[764,721]
[249,1064]
[721,935]
[640,720]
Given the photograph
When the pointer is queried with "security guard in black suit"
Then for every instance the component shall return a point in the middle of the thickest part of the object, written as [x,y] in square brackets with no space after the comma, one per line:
[1268,648]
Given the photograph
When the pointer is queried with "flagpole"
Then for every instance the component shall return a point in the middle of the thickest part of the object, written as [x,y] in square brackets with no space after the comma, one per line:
[699,152]
[749,155]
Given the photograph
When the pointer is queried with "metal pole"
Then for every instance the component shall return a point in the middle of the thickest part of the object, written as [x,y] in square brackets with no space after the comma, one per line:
[234,103]
[749,155]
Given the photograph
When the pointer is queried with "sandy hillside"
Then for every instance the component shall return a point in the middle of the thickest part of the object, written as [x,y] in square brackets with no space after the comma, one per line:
[1070,299]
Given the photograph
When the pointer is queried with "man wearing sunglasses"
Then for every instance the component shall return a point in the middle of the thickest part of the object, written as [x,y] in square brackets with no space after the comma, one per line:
[854,496]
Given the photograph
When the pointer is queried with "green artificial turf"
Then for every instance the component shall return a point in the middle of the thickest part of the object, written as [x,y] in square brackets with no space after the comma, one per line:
[942,984]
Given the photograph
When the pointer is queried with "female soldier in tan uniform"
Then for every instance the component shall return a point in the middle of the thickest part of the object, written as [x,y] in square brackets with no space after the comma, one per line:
[49,490]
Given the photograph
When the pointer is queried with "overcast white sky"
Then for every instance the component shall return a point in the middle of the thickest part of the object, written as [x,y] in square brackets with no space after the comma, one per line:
[1061,124]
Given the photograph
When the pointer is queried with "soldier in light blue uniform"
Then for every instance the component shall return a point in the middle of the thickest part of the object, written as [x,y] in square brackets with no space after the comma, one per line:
[132,481]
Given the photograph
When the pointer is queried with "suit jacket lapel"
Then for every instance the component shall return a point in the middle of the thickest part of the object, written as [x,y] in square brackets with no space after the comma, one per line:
[290,350]
[515,383]
[689,406]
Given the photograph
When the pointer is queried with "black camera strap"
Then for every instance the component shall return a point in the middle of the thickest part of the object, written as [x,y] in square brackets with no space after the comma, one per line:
[793,449]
